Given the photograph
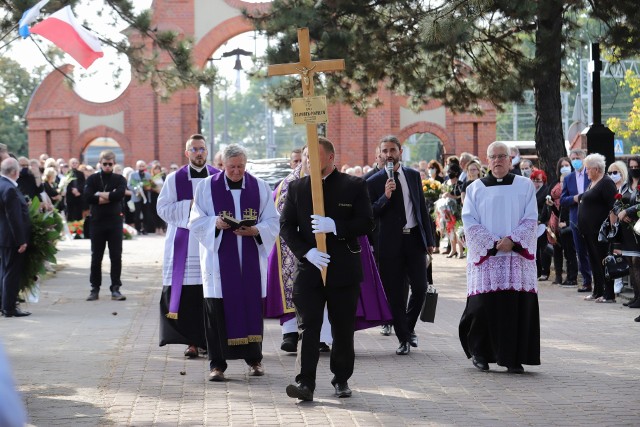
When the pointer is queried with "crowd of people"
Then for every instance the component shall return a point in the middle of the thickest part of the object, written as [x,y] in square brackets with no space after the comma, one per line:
[232,245]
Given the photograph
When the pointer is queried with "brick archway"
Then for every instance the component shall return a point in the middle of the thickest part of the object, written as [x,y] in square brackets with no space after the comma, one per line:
[85,138]
[425,127]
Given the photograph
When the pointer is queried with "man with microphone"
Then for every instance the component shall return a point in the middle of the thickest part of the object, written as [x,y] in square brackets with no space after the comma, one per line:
[404,237]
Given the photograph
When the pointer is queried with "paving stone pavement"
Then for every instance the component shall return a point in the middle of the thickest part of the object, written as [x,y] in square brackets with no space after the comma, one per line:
[80,363]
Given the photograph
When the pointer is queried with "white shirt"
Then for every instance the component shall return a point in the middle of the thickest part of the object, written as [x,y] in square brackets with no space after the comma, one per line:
[406,195]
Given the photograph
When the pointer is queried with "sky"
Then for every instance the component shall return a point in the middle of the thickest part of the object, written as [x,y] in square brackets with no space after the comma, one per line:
[97,83]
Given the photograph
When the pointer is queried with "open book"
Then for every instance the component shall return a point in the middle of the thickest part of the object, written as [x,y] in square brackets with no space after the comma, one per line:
[236,223]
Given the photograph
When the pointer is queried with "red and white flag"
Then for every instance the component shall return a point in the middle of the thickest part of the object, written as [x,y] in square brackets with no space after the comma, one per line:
[62,29]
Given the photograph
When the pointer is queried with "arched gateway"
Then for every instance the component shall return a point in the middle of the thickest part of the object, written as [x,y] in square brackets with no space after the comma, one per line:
[62,124]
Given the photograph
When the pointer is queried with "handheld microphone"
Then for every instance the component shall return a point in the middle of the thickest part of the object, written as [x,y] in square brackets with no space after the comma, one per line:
[389,169]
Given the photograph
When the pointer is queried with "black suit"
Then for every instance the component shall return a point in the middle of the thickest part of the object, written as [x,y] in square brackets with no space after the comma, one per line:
[346,201]
[75,204]
[15,230]
[402,254]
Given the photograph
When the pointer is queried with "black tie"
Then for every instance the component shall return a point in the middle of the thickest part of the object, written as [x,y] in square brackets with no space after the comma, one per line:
[398,200]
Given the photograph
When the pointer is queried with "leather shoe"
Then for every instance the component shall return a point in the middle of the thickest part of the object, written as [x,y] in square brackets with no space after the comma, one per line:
[517,369]
[15,313]
[324,347]
[404,349]
[480,363]
[413,339]
[191,352]
[256,370]
[637,319]
[634,304]
[569,284]
[300,391]
[631,301]
[289,342]
[216,375]
[93,295]
[342,389]
[386,330]
[117,296]
[584,289]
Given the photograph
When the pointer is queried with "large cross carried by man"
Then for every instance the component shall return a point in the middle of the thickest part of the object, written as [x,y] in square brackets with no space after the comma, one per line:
[311,111]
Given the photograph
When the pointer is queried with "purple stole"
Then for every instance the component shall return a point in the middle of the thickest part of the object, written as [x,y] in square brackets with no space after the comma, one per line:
[241,284]
[184,191]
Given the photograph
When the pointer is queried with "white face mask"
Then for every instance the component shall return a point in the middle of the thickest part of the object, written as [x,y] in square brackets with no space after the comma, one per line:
[526,173]
[616,178]
[565,170]
[515,160]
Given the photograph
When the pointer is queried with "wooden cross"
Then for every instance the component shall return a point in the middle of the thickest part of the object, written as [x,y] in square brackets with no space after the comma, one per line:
[306,68]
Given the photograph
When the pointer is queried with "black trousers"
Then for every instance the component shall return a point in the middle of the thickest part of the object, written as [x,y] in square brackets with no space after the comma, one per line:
[142,217]
[543,259]
[565,248]
[597,252]
[408,262]
[10,268]
[309,300]
[74,208]
[103,232]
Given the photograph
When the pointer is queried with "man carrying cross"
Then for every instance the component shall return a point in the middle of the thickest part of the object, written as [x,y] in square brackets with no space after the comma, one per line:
[233,261]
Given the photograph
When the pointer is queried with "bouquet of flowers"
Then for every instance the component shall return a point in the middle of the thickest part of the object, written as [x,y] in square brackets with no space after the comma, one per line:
[76,228]
[128,232]
[65,181]
[431,189]
[139,187]
[46,229]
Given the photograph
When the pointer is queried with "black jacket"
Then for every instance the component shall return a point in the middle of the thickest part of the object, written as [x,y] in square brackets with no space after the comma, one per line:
[388,221]
[346,202]
[15,225]
[113,183]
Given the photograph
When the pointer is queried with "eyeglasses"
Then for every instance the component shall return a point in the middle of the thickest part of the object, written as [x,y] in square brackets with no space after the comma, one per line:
[498,156]
[197,149]
[107,164]
[613,173]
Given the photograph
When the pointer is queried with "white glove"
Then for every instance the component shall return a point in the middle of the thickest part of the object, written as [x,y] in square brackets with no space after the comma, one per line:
[323,224]
[317,258]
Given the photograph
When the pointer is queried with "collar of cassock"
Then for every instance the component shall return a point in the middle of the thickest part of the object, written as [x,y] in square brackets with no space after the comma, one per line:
[491,180]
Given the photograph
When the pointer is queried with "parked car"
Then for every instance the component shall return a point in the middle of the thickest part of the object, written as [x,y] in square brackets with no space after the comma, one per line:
[271,170]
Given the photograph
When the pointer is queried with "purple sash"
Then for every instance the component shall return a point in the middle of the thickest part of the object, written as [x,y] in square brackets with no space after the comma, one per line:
[184,191]
[241,284]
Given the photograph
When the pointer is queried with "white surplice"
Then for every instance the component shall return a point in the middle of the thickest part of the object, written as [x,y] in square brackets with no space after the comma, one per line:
[202,225]
[176,214]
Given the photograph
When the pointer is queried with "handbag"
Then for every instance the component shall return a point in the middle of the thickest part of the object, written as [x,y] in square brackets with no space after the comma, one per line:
[615,266]
[607,231]
[428,313]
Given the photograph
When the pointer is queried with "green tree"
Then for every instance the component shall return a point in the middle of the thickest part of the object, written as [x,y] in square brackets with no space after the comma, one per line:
[161,58]
[630,126]
[460,52]
[16,87]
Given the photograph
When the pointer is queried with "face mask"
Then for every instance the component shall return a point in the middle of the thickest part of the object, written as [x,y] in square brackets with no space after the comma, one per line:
[432,171]
[635,173]
[515,160]
[565,170]
[526,173]
[577,164]
[615,178]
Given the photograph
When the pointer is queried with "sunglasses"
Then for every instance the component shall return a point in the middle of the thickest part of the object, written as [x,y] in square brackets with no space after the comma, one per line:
[107,164]
[613,173]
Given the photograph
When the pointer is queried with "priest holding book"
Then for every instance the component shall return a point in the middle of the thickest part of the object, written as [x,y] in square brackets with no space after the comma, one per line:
[233,294]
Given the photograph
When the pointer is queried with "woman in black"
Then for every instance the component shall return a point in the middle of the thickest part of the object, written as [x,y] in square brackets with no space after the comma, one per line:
[594,206]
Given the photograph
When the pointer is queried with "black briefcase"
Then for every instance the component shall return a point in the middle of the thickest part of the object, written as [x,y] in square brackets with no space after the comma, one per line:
[428,313]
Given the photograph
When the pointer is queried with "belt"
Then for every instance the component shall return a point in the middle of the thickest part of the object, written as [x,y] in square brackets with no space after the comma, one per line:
[407,230]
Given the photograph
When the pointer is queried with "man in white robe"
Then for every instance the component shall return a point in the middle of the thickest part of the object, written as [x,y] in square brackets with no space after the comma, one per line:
[181,304]
[234,261]
[501,322]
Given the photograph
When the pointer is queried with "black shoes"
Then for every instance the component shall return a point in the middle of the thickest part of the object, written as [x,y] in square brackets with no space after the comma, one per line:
[569,284]
[480,363]
[342,389]
[413,339]
[300,391]
[631,301]
[289,342]
[634,304]
[15,313]
[517,369]
[117,296]
[386,330]
[404,349]
[585,289]
[93,295]
[324,348]
[637,319]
